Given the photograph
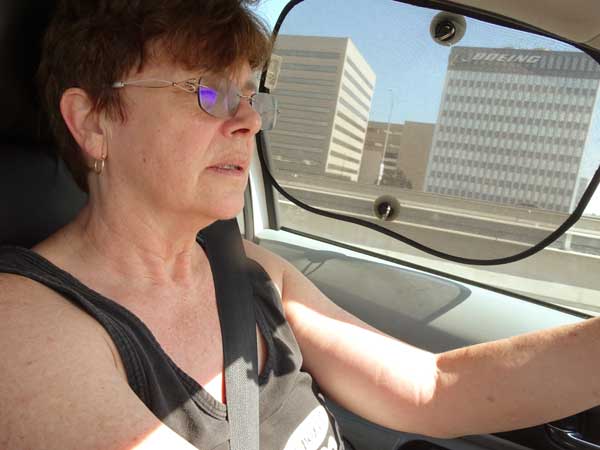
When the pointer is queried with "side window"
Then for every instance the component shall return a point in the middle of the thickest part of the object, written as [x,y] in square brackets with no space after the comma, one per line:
[471,143]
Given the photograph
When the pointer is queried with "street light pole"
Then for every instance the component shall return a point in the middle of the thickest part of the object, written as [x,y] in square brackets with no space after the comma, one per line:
[387,136]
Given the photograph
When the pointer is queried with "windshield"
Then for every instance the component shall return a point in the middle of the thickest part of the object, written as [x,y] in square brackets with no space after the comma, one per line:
[487,145]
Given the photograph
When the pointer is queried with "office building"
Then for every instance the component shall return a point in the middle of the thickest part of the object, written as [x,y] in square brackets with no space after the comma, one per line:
[512,126]
[324,88]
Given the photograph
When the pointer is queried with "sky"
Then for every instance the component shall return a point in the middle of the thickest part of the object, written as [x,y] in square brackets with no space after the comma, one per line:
[410,67]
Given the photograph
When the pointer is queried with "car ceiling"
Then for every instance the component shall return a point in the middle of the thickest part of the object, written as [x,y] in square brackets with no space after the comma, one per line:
[576,20]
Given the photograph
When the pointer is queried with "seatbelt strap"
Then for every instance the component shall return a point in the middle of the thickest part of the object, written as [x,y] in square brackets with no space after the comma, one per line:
[235,302]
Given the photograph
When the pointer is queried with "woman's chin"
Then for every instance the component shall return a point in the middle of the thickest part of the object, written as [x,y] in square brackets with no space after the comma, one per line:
[224,210]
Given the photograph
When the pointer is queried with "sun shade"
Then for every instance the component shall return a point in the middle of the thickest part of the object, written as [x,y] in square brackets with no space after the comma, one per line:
[468,140]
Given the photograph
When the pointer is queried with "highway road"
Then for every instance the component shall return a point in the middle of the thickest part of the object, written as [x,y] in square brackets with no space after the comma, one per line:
[565,274]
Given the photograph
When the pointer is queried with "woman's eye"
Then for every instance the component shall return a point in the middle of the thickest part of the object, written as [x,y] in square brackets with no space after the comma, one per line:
[208,97]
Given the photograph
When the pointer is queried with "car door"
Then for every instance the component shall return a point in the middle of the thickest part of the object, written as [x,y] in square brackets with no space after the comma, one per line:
[433,172]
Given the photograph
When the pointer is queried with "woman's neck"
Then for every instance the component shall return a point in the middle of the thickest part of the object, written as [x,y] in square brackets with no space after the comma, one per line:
[127,251]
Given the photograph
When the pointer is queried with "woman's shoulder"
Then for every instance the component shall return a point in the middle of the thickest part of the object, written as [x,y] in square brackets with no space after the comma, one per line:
[32,314]
[22,295]
[20,267]
[25,300]
[58,370]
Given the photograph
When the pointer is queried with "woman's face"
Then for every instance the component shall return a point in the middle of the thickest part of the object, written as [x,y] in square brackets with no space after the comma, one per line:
[174,158]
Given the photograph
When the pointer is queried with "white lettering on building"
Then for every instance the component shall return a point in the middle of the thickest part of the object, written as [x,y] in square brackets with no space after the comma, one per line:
[503,57]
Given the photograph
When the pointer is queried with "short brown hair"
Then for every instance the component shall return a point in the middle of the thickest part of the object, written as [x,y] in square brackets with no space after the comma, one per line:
[92,43]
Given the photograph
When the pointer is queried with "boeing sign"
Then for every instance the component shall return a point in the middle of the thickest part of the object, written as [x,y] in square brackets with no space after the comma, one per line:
[542,62]
[502,57]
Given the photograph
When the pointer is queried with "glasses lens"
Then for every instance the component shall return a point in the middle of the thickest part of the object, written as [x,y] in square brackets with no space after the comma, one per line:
[207,98]
[266,106]
[218,97]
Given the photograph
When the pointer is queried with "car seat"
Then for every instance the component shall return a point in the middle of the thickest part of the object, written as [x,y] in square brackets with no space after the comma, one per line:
[37,193]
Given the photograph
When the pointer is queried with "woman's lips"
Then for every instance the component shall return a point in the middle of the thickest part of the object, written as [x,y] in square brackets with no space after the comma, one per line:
[228,169]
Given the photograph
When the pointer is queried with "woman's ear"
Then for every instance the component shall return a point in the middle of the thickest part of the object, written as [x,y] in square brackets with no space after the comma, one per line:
[83,122]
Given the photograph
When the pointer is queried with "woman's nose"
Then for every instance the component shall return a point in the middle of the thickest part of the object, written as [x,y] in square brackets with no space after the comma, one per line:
[245,121]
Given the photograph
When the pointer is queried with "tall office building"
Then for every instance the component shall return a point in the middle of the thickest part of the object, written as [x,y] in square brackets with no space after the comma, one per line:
[324,89]
[380,158]
[512,126]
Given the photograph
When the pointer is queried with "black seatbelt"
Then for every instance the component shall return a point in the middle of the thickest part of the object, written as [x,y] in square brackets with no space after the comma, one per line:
[223,245]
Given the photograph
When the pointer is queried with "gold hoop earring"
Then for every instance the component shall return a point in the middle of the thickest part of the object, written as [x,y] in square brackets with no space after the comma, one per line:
[99,165]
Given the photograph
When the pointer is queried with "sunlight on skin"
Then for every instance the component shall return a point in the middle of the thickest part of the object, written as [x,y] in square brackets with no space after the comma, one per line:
[441,395]
[380,347]
[396,372]
[161,438]
[215,387]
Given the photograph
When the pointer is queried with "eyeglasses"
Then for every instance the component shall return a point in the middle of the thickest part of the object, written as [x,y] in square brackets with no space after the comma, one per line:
[217,96]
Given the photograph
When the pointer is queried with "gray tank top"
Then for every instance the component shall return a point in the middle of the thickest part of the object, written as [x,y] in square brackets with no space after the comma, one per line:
[291,408]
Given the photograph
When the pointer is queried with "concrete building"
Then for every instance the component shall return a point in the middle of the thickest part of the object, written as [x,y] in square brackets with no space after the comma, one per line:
[413,153]
[512,126]
[324,88]
[380,157]
[370,165]
[406,154]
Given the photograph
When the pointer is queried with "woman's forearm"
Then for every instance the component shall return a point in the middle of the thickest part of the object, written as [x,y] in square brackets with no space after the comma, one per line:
[518,382]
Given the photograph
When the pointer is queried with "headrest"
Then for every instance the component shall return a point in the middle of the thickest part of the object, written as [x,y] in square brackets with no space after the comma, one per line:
[37,194]
[22,24]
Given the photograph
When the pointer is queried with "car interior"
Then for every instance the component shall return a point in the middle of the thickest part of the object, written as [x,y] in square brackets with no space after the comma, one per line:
[481,255]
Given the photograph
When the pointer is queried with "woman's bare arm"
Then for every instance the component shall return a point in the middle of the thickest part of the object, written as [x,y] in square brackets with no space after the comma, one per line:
[497,386]
[60,383]
[521,381]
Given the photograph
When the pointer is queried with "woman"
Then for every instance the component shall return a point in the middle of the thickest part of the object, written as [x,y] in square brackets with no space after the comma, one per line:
[117,343]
